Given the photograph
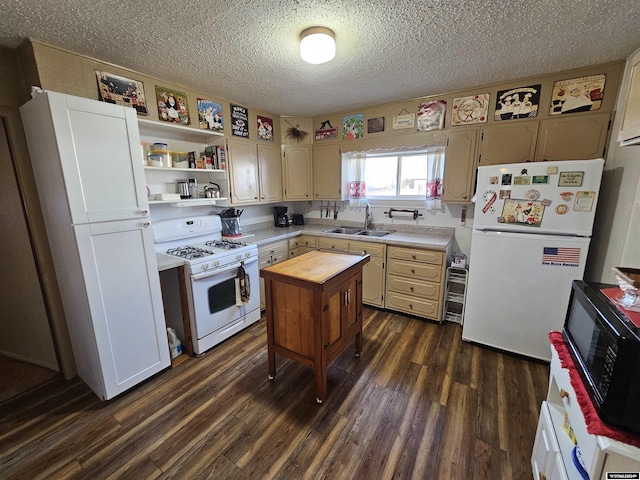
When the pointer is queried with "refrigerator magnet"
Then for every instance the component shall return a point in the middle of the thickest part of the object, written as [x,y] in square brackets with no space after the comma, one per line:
[493,180]
[522,180]
[506,179]
[562,209]
[532,194]
[505,194]
[566,196]
[570,179]
[584,201]
[541,179]
[489,198]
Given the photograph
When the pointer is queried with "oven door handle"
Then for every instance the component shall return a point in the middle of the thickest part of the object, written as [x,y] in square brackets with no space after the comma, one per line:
[210,273]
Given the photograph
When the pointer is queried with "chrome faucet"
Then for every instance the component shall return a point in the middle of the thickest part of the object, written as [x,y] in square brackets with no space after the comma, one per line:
[368,218]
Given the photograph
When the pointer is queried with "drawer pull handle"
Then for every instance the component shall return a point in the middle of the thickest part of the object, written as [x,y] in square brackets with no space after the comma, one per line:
[413,256]
[564,394]
[411,288]
[413,271]
[411,306]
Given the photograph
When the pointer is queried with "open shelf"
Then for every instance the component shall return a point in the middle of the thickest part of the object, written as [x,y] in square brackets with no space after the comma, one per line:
[178,132]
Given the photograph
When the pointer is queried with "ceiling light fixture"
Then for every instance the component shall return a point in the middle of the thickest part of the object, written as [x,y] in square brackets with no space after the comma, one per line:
[317,45]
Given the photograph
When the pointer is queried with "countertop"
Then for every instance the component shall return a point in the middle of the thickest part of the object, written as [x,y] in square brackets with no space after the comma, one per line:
[433,239]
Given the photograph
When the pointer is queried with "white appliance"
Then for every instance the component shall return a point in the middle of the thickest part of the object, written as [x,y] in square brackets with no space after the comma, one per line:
[87,163]
[217,307]
[530,240]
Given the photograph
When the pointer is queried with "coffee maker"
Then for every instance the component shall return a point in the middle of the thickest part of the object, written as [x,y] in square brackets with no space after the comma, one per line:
[280,216]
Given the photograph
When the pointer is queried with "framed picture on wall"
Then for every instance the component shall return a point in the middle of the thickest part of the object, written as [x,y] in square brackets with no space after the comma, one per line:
[521,102]
[210,115]
[582,94]
[472,109]
[122,91]
[172,105]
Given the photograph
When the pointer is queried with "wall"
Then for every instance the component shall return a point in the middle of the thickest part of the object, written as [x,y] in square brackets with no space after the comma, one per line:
[25,332]
[616,239]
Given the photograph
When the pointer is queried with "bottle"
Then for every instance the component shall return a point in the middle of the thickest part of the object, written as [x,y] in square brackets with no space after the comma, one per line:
[193,188]
[175,346]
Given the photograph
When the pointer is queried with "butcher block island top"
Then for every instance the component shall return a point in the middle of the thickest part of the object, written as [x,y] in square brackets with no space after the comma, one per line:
[314,309]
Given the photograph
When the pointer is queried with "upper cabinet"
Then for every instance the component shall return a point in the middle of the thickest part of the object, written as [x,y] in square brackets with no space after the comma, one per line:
[297,172]
[242,156]
[579,137]
[270,172]
[630,126]
[460,165]
[513,142]
[327,172]
[254,172]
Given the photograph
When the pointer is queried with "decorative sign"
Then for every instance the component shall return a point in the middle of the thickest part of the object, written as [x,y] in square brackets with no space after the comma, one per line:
[570,179]
[431,115]
[522,180]
[210,115]
[352,126]
[121,91]
[326,131]
[375,125]
[540,179]
[404,120]
[467,110]
[172,106]
[582,94]
[517,103]
[265,129]
[523,212]
[239,121]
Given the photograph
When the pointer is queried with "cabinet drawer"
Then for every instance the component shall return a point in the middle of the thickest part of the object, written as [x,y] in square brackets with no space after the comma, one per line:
[412,305]
[373,249]
[414,288]
[415,270]
[303,241]
[545,446]
[296,252]
[333,244]
[424,256]
[275,248]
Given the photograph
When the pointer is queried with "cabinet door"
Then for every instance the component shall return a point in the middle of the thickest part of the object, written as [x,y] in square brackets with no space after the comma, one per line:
[373,282]
[340,316]
[243,171]
[297,172]
[270,173]
[327,172]
[510,143]
[123,292]
[96,147]
[581,137]
[630,126]
[460,165]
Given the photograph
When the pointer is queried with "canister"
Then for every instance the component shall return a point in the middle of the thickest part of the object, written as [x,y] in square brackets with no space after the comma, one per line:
[155,159]
[165,155]
[180,159]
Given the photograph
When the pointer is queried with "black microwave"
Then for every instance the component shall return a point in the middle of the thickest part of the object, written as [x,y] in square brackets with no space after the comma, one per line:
[605,346]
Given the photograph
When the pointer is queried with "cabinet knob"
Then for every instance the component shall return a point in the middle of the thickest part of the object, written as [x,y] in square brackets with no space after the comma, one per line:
[144,213]
[411,288]
[411,306]
[413,256]
[263,197]
[146,224]
[465,196]
[413,271]
[564,394]
[256,197]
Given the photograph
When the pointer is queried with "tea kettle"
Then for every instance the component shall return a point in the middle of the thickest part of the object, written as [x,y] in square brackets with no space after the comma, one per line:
[212,190]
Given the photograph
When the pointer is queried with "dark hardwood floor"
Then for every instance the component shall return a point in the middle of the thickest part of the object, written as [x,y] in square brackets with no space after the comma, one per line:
[418,404]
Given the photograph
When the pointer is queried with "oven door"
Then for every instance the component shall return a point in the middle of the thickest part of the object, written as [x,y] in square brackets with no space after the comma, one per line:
[213,297]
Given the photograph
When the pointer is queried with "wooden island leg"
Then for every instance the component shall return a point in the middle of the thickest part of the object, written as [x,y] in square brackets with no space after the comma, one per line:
[271,354]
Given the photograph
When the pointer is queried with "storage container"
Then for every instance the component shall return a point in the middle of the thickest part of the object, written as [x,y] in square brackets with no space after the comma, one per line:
[180,159]
[154,160]
[165,155]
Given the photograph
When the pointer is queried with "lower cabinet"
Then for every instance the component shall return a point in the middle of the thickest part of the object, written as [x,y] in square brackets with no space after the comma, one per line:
[552,456]
[270,254]
[302,244]
[414,282]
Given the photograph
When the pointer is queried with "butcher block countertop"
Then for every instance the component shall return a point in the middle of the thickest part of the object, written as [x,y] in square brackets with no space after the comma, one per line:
[313,269]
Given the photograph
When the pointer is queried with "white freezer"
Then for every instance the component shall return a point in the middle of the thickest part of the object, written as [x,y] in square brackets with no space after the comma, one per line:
[517,291]
[540,197]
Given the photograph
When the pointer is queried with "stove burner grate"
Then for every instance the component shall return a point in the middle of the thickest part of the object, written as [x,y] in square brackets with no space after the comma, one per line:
[189,252]
[225,244]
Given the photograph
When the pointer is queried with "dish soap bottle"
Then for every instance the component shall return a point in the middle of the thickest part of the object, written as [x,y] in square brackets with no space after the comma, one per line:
[174,343]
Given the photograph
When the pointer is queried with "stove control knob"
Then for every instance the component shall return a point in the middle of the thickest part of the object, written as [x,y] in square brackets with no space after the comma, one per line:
[239,257]
[205,267]
[247,254]
[216,263]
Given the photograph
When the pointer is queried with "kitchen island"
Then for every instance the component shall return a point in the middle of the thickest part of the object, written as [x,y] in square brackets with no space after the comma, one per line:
[314,309]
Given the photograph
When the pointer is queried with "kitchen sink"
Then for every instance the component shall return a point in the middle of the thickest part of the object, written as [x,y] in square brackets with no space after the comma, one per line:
[374,233]
[359,231]
[347,230]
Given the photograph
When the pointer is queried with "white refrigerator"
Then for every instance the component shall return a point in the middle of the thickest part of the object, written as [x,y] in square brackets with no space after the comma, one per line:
[530,240]
[87,163]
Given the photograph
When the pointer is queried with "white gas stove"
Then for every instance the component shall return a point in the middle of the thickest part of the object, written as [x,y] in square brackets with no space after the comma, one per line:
[214,267]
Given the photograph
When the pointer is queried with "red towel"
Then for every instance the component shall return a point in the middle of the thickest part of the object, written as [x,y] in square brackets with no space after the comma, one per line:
[595,425]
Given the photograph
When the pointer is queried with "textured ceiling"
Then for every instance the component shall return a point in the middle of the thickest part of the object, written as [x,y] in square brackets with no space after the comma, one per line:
[247,51]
